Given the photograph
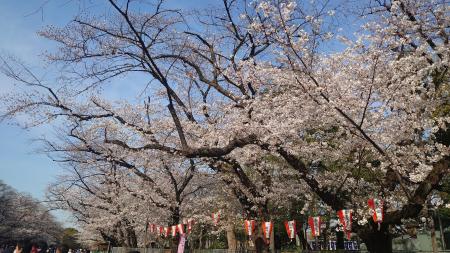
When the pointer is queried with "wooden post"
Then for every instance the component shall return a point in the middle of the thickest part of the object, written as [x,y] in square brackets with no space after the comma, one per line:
[441,230]
[433,235]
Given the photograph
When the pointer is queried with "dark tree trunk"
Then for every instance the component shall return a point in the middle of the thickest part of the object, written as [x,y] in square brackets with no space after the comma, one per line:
[340,240]
[302,237]
[260,245]
[114,242]
[231,238]
[175,220]
[377,240]
[259,241]
[129,234]
[132,239]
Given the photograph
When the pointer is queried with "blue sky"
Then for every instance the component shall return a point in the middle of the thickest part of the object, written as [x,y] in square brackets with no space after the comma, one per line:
[20,166]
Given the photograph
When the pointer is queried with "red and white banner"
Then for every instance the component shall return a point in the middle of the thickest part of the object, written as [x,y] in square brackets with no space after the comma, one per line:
[376,207]
[249,226]
[190,223]
[180,228]
[152,228]
[174,230]
[291,228]
[160,230]
[314,224]
[166,231]
[216,218]
[345,218]
[267,230]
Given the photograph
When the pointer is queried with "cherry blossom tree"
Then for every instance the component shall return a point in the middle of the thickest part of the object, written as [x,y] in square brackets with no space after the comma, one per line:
[253,80]
[115,198]
[25,219]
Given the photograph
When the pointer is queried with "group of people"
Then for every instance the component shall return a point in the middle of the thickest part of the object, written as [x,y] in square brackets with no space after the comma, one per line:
[19,248]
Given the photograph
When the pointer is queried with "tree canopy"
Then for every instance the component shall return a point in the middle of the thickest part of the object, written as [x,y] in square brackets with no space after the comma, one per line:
[248,95]
[25,219]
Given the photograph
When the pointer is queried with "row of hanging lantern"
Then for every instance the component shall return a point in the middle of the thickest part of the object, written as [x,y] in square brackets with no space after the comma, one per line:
[345,219]
[182,228]
[267,226]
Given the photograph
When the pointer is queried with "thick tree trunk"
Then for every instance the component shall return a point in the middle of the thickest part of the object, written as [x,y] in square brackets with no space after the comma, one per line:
[231,238]
[302,237]
[200,240]
[175,220]
[260,245]
[377,240]
[433,235]
[259,241]
[132,239]
[340,240]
